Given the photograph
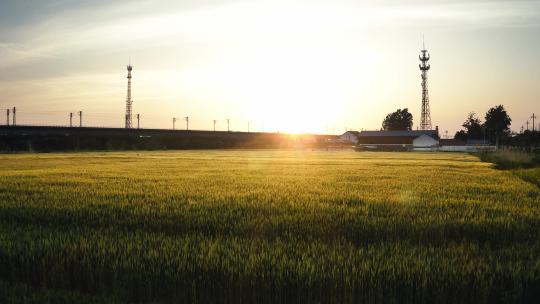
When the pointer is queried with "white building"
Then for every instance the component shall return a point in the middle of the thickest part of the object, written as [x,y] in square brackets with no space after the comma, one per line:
[425,142]
[349,137]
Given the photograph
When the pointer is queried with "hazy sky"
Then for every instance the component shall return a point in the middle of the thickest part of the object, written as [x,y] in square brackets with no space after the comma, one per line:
[282,65]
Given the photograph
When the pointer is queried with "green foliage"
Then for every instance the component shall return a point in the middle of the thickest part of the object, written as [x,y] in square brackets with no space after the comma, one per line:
[511,159]
[497,122]
[398,120]
[24,294]
[268,227]
[530,175]
[472,128]
[495,127]
[527,140]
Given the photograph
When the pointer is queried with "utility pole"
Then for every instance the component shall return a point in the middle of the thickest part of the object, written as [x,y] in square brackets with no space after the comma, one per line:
[15,119]
[7,121]
[533,117]
[446,134]
[187,122]
[174,123]
[80,119]
[228,129]
[138,120]
[527,123]
[71,119]
[215,125]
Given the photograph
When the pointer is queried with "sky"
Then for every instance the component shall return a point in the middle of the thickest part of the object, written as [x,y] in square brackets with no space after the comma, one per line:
[289,66]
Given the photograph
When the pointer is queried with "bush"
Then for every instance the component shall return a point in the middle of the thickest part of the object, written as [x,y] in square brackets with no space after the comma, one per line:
[508,159]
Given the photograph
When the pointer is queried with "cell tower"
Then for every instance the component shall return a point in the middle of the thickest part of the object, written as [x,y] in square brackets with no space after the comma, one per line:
[425,123]
[128,99]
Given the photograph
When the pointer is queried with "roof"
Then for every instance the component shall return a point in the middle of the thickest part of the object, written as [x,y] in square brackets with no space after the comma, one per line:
[425,137]
[451,142]
[355,133]
[404,133]
[425,140]
[386,140]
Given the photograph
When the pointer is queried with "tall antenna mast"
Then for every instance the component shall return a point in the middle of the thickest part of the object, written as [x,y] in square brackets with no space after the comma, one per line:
[128,99]
[425,123]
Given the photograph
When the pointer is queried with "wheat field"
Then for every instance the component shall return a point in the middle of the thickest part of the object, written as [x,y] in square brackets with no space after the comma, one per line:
[267,227]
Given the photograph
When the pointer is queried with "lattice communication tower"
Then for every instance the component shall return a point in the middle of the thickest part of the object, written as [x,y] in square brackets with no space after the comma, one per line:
[128,99]
[425,123]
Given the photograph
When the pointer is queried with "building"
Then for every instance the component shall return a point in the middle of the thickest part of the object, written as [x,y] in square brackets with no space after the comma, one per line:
[350,137]
[472,145]
[453,145]
[425,142]
[417,140]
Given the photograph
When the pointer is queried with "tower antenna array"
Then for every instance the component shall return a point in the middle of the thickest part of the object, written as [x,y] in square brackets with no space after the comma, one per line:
[128,99]
[425,123]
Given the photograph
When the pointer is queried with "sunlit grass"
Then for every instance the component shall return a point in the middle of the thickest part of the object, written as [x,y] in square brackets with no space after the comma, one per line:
[269,226]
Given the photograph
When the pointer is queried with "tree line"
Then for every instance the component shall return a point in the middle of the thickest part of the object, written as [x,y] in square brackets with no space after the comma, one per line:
[495,127]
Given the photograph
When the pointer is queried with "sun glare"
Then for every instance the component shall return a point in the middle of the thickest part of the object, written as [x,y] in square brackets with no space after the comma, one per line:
[282,76]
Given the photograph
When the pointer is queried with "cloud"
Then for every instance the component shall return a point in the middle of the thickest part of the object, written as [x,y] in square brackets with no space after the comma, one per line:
[140,24]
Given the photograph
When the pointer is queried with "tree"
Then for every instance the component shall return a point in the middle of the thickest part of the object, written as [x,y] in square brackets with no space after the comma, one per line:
[461,135]
[497,122]
[398,120]
[473,127]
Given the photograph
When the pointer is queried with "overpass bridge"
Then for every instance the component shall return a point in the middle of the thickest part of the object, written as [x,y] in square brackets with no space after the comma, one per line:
[49,138]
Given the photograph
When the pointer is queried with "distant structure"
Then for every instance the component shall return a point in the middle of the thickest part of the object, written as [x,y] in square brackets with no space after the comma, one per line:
[405,140]
[425,123]
[128,99]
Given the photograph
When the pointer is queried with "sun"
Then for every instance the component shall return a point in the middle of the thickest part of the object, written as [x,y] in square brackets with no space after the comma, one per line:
[290,90]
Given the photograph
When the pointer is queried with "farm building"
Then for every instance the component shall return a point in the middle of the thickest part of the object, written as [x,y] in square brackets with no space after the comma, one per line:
[418,140]
[453,145]
[472,145]
[349,137]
